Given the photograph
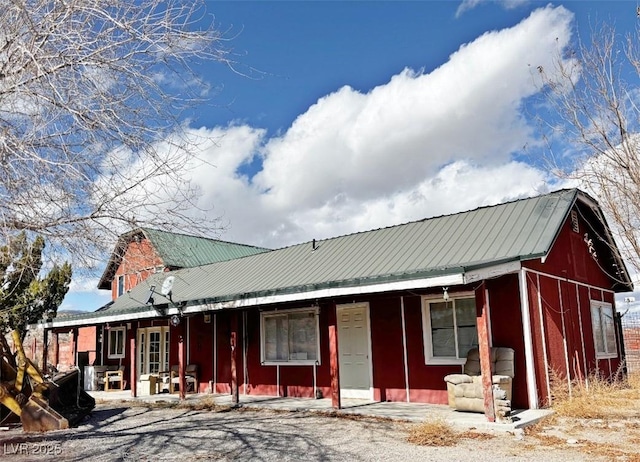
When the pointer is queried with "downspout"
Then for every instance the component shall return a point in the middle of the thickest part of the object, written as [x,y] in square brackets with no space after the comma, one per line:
[532,391]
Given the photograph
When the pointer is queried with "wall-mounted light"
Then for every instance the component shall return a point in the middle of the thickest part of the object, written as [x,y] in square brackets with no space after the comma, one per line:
[445,294]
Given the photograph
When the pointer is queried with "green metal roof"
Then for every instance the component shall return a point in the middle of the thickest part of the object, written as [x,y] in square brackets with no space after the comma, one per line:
[184,251]
[178,251]
[453,244]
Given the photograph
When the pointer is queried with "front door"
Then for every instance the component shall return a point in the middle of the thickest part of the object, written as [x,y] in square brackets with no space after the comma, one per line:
[354,351]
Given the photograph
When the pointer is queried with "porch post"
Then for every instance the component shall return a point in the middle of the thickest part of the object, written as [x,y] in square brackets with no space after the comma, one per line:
[181,360]
[482,321]
[56,349]
[133,365]
[73,346]
[235,398]
[333,358]
[45,350]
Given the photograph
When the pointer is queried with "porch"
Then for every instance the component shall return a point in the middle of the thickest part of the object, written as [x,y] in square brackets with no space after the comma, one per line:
[412,412]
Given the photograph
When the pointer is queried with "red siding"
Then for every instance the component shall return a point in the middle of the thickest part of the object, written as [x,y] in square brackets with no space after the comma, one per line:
[506,330]
[138,263]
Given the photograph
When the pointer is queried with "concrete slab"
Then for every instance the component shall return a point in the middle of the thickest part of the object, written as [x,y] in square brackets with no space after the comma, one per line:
[410,412]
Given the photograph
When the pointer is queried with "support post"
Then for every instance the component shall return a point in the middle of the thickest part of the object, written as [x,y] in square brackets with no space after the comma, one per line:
[45,350]
[181,366]
[73,346]
[235,398]
[482,321]
[132,372]
[56,349]
[333,359]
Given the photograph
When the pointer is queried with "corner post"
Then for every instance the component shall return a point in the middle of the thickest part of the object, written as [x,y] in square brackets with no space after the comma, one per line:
[333,358]
[482,321]
[181,366]
[235,397]
[134,365]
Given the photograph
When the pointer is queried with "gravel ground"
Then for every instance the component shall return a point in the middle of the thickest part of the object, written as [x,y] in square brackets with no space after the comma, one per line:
[117,432]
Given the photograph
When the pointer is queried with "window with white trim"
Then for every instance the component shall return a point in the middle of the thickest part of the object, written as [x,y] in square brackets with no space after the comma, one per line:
[449,329]
[117,336]
[290,337]
[120,284]
[604,330]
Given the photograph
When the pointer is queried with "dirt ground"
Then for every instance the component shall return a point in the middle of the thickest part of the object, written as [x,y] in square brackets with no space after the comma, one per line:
[118,432]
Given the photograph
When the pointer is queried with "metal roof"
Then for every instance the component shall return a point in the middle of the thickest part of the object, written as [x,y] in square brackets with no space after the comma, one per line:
[184,251]
[178,251]
[447,245]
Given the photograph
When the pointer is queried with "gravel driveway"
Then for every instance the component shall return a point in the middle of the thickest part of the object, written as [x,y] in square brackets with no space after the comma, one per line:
[117,432]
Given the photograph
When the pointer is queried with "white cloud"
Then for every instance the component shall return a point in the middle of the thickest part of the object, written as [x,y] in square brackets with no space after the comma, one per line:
[419,146]
[467,5]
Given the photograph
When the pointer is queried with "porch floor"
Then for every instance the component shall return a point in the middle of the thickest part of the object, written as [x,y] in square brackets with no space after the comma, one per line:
[414,412]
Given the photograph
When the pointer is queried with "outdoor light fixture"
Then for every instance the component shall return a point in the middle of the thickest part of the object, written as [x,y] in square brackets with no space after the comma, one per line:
[445,295]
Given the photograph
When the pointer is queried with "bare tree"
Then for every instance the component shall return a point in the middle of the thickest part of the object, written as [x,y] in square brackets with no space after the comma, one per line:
[593,98]
[88,88]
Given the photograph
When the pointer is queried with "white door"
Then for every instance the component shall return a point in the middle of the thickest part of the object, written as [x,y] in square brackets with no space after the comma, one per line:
[354,351]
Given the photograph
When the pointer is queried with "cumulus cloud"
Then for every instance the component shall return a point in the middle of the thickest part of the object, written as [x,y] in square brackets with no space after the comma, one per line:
[467,5]
[421,145]
[418,146]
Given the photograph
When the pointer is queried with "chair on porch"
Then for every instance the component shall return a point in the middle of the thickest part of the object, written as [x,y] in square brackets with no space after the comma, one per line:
[114,380]
[190,378]
[465,392]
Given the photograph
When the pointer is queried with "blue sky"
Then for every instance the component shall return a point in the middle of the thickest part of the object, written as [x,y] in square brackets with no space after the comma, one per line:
[348,116]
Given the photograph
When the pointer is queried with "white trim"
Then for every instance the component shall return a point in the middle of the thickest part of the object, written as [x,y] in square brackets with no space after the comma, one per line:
[290,362]
[491,272]
[188,340]
[405,363]
[532,388]
[352,393]
[117,355]
[544,338]
[490,329]
[564,341]
[165,346]
[572,281]
[215,353]
[425,283]
[606,355]
[245,367]
[427,341]
[585,373]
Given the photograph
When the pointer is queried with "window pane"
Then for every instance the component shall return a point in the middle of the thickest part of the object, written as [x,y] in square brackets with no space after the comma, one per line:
[597,329]
[302,336]
[441,315]
[276,338]
[120,342]
[466,323]
[443,338]
[609,329]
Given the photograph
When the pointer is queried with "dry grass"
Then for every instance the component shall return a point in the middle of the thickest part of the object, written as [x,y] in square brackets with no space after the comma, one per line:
[433,433]
[596,398]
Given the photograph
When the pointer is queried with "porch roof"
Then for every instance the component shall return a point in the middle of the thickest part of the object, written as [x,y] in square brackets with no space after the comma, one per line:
[428,253]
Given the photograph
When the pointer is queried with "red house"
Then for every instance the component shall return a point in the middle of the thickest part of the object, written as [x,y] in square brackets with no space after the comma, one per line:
[365,315]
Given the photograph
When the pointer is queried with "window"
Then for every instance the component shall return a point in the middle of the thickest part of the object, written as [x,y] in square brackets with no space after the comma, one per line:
[120,284]
[604,331]
[449,329]
[117,336]
[290,337]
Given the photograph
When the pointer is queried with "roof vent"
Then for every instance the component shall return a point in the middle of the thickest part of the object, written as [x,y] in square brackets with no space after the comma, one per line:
[575,226]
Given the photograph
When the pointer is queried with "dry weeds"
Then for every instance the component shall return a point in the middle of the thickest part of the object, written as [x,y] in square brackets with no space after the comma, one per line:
[433,433]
